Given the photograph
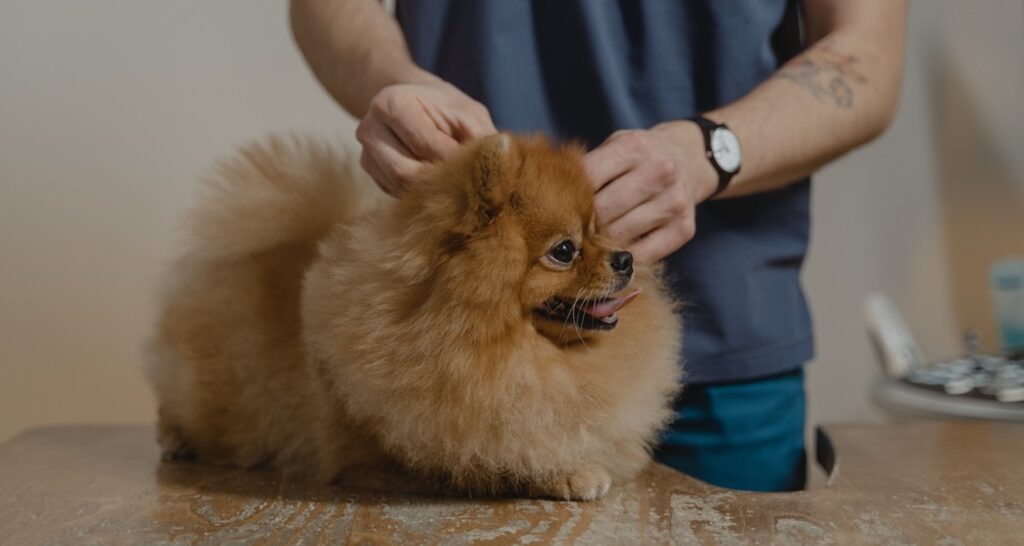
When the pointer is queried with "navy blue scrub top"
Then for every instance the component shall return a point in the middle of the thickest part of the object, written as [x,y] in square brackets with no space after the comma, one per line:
[582,69]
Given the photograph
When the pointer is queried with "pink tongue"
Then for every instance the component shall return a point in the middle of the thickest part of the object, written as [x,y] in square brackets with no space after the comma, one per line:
[608,308]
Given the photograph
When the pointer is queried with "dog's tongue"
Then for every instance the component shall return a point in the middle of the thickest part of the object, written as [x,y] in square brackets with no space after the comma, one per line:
[607,308]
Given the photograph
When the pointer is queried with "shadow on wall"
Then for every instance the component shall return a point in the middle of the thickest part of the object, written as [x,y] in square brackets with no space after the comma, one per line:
[981,199]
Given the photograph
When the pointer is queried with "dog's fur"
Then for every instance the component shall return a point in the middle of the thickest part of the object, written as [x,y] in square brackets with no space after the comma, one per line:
[316,326]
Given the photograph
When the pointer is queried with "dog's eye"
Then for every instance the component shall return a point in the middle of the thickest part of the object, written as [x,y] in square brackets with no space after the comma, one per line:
[564,252]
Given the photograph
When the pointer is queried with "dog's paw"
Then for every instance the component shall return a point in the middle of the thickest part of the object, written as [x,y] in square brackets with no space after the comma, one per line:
[586,483]
[173,446]
[589,483]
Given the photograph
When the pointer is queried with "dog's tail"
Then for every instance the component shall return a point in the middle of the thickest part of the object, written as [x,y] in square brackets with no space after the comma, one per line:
[277,191]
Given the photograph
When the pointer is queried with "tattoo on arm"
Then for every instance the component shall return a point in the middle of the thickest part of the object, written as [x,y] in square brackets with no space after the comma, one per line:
[826,73]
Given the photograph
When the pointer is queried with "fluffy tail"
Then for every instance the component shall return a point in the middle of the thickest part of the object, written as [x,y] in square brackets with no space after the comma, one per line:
[277,191]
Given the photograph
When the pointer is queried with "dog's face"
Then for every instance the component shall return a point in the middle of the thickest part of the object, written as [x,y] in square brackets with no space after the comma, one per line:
[534,230]
[576,279]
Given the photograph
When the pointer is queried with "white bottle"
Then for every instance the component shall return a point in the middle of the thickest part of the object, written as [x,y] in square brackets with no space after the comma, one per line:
[1007,281]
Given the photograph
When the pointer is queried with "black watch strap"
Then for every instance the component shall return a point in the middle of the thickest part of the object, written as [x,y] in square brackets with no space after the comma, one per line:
[706,128]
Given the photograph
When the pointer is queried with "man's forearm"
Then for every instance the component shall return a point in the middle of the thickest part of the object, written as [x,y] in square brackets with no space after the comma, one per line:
[838,94]
[354,48]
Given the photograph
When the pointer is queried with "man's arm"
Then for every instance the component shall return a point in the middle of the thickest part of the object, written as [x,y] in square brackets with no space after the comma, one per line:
[355,49]
[838,94]
[408,116]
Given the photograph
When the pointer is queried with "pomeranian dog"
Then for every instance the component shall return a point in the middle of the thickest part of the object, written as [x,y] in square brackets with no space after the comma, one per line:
[477,334]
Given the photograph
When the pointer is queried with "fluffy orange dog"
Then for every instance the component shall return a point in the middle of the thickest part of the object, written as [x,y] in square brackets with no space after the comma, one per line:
[474,334]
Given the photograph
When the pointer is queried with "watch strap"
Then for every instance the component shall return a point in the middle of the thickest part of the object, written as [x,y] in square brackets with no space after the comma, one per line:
[706,128]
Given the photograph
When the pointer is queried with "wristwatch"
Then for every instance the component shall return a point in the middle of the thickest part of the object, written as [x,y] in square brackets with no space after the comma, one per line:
[722,149]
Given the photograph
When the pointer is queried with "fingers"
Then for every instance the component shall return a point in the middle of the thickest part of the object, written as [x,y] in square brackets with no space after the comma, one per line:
[452,112]
[642,198]
[664,240]
[370,166]
[395,164]
[629,191]
[474,122]
[416,130]
[408,125]
[620,196]
[623,151]
[664,208]
[606,163]
[635,223]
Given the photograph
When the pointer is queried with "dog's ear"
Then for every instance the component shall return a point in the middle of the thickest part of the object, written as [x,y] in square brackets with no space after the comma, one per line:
[497,161]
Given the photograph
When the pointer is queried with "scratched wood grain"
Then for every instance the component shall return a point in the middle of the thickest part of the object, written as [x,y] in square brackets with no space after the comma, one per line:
[922,483]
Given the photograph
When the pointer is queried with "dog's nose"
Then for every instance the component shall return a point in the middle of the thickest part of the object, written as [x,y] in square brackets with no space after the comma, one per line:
[622,263]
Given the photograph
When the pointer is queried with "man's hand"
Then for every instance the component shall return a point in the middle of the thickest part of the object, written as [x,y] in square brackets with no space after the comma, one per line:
[408,125]
[409,116]
[648,184]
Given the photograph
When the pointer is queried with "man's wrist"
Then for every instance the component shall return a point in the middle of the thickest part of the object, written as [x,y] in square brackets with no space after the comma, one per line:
[407,73]
[686,142]
[384,71]
[411,73]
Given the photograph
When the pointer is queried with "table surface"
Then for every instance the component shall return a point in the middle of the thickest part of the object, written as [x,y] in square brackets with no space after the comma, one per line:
[916,483]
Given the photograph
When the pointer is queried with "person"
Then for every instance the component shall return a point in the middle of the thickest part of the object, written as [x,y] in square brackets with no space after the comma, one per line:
[704,120]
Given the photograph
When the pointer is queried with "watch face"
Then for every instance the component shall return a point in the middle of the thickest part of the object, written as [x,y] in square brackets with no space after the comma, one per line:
[726,149]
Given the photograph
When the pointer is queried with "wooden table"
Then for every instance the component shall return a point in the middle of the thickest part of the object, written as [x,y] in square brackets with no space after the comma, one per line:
[919,483]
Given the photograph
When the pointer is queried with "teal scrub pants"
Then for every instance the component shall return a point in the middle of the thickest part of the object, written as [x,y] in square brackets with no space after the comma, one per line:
[741,435]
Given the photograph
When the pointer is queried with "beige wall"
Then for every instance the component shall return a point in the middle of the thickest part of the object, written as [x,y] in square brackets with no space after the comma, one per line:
[110,109]
[922,212]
